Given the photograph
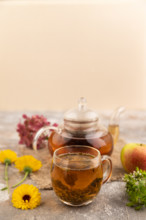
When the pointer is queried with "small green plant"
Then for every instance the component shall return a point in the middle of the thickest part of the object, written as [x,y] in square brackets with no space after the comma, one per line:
[136,188]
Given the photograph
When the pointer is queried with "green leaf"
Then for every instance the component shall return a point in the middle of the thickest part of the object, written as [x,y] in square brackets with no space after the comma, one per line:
[138,207]
[136,188]
[4,188]
[130,204]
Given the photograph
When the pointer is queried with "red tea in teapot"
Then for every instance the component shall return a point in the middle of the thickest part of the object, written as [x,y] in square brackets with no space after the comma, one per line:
[100,140]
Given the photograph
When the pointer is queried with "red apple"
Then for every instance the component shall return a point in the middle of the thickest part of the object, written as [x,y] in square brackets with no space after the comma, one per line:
[133,155]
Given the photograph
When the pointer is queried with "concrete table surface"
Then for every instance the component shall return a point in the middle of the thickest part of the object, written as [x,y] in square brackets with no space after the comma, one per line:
[110,202]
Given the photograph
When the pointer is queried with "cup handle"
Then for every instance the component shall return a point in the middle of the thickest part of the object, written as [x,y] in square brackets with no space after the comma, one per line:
[41,131]
[108,171]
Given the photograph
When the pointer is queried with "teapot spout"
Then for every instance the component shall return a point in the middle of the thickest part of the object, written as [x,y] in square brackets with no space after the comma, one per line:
[114,123]
[114,120]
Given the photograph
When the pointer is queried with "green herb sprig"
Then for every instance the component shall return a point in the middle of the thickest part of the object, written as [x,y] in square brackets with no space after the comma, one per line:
[136,188]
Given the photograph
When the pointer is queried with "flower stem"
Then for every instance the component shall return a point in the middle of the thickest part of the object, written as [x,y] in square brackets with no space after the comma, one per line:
[25,176]
[6,177]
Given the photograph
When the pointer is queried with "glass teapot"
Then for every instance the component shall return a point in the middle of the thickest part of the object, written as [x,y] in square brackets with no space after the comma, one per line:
[81,127]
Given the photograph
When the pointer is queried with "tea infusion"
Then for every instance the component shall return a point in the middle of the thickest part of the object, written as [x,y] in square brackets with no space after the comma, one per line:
[76,179]
[100,140]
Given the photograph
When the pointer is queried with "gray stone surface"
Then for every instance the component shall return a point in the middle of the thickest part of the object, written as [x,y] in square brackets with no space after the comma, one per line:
[109,204]
[111,201]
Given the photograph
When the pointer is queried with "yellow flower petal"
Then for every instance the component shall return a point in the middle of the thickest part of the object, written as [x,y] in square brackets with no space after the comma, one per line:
[26,197]
[9,155]
[27,161]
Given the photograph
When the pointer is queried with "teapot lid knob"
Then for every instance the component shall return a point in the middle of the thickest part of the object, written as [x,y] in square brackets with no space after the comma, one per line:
[82,104]
[81,114]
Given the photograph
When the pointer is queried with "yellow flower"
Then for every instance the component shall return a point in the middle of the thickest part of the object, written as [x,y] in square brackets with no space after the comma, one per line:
[27,163]
[8,156]
[26,197]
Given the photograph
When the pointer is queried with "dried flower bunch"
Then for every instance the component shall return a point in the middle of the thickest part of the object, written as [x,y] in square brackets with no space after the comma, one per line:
[29,127]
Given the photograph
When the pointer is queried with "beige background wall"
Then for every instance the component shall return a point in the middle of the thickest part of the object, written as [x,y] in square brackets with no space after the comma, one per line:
[53,53]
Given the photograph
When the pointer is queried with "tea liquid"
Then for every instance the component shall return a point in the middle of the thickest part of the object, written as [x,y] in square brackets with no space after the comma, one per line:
[99,140]
[114,130]
[76,179]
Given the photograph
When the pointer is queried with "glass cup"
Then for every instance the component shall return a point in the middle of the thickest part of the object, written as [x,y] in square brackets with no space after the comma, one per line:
[78,172]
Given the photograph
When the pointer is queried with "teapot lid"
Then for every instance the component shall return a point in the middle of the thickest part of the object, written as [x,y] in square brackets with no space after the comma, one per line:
[82,113]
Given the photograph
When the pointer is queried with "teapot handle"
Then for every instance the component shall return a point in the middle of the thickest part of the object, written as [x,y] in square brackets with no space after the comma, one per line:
[41,131]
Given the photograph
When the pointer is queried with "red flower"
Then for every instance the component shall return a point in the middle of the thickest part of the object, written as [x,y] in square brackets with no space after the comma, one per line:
[29,127]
